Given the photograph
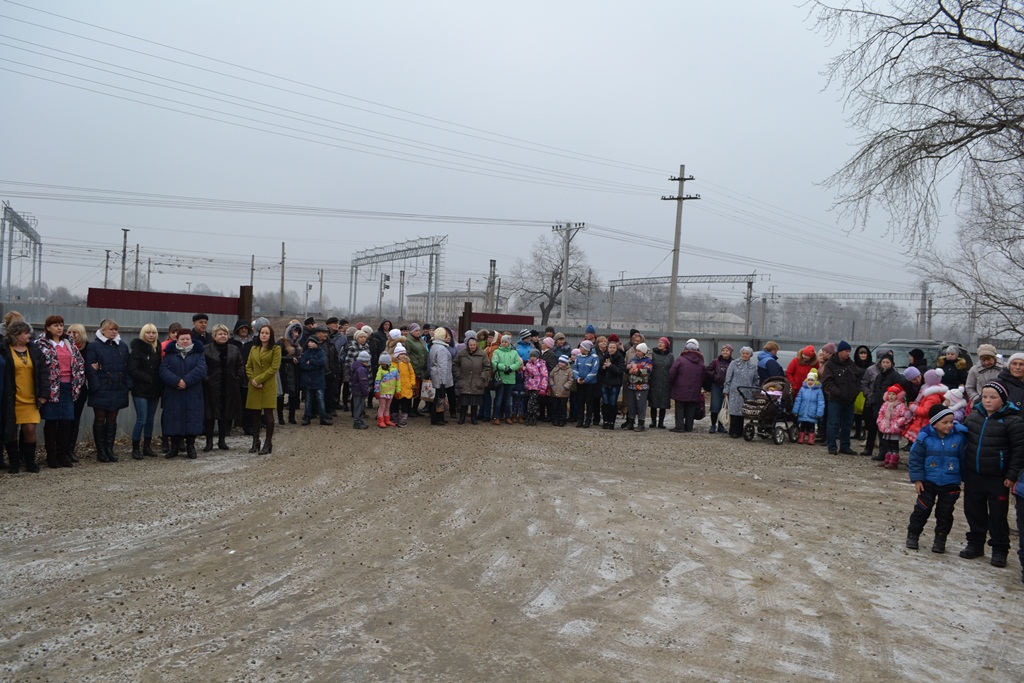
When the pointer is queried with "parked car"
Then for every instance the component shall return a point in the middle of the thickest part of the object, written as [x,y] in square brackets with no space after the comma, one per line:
[932,350]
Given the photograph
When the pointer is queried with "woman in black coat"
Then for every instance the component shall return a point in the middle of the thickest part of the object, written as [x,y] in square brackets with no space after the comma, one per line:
[144,369]
[225,375]
[182,371]
[106,370]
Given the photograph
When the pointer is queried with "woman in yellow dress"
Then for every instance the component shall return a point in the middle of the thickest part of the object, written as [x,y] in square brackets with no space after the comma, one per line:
[26,388]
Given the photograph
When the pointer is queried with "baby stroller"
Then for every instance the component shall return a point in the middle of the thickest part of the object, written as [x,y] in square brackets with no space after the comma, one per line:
[768,410]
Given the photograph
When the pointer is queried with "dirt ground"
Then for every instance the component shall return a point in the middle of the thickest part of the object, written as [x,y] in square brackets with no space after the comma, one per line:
[484,553]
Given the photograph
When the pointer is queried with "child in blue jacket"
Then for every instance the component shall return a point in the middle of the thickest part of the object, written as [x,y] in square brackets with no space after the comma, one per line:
[809,407]
[935,470]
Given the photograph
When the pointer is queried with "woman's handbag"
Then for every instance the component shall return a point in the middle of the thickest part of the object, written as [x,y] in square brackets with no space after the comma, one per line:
[702,409]
[427,390]
[440,402]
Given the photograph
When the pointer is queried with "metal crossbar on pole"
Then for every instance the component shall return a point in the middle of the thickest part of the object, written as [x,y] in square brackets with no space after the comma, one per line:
[683,280]
[878,296]
[431,247]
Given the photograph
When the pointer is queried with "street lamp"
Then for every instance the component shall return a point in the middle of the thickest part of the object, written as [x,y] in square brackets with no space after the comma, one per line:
[189,287]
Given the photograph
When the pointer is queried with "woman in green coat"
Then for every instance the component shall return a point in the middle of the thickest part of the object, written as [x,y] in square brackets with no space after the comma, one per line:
[505,362]
[261,369]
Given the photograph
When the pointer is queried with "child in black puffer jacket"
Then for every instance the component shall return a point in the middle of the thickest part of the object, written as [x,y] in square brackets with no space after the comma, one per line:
[993,460]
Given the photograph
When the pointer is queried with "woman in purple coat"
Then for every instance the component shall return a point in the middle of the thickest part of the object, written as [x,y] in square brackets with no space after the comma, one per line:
[686,377]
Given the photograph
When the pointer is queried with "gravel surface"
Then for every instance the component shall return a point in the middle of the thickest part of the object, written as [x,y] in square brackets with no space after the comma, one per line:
[482,553]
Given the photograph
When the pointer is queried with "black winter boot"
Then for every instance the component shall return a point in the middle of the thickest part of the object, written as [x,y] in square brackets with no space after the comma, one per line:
[462,415]
[972,551]
[640,426]
[136,453]
[147,448]
[998,556]
[175,448]
[268,445]
[223,429]
[280,410]
[13,457]
[99,438]
[28,459]
[111,427]
[190,447]
[912,540]
[208,433]
[165,444]
[939,546]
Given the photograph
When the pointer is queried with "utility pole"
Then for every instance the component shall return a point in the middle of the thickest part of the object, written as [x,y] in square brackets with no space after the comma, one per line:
[320,303]
[674,286]
[124,258]
[568,231]
[281,302]
[764,313]
[106,269]
[252,270]
[149,275]
[750,300]
[490,285]
[137,268]
[590,282]
[401,295]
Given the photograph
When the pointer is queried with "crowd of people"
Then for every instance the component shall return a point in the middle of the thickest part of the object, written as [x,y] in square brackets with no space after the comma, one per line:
[208,380]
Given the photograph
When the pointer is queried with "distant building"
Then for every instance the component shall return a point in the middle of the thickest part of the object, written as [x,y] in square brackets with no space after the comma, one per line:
[450,305]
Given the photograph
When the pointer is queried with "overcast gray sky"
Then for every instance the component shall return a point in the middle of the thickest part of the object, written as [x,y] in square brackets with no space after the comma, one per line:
[532,111]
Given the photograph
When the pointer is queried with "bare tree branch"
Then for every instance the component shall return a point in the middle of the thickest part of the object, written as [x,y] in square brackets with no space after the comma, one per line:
[937,89]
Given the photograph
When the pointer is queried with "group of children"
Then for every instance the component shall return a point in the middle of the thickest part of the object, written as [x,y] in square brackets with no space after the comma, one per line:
[985,455]
[978,447]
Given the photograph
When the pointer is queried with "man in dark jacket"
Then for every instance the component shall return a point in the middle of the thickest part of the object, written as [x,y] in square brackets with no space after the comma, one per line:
[200,321]
[841,384]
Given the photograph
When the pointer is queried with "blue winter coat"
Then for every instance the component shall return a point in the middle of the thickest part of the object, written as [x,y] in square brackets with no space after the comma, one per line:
[311,368]
[810,404]
[586,368]
[768,366]
[109,381]
[937,459]
[184,409]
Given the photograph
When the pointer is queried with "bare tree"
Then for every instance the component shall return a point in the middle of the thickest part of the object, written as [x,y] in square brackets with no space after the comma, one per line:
[537,281]
[937,89]
[982,275]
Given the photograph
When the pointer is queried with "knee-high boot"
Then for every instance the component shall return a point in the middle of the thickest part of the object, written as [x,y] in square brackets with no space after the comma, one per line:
[208,433]
[111,437]
[255,434]
[280,409]
[13,457]
[268,445]
[99,438]
[65,436]
[223,429]
[51,446]
[28,457]
[190,447]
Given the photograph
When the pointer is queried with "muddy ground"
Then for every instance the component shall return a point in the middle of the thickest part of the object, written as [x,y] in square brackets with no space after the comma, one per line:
[491,553]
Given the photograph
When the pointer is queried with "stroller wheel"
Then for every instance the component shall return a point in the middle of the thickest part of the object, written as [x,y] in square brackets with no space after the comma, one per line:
[794,432]
[748,432]
[779,435]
